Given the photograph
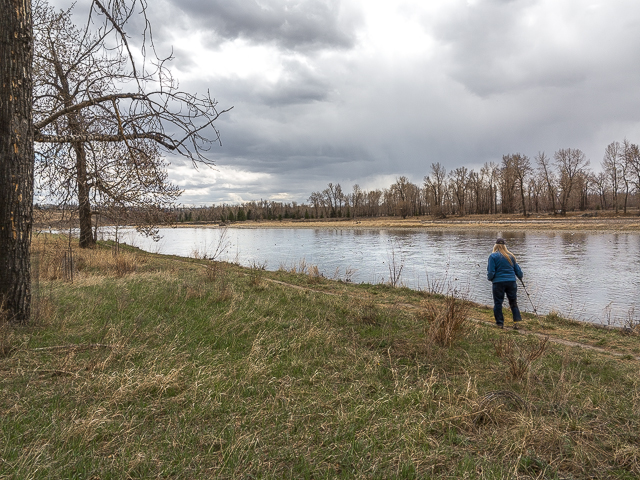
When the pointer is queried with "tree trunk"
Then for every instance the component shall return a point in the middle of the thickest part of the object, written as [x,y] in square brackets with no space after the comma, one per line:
[84,205]
[524,206]
[16,158]
[76,128]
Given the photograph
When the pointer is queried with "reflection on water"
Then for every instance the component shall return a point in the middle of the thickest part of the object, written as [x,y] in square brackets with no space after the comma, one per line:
[589,276]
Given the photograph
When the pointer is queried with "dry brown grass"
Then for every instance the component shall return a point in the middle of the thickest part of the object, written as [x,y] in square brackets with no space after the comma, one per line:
[446,320]
[50,262]
[256,275]
[366,311]
[519,357]
[7,339]
[218,275]
[58,258]
[211,272]
[314,275]
[42,308]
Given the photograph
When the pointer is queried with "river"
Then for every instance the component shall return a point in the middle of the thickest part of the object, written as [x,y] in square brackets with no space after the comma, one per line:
[590,276]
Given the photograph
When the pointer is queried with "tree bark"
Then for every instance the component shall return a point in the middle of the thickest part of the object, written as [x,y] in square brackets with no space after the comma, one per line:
[84,205]
[524,205]
[16,158]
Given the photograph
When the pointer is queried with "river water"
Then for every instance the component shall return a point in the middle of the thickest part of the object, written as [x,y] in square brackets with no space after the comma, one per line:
[587,276]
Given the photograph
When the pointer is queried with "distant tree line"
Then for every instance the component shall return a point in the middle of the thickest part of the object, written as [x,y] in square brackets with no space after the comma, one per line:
[517,185]
[254,210]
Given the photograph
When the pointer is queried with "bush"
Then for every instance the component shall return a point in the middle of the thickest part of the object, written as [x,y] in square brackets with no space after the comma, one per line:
[446,321]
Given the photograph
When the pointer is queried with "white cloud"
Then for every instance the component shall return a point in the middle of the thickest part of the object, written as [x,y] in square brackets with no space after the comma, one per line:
[364,92]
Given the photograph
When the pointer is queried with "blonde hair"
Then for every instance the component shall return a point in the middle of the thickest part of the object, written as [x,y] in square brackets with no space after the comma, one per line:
[498,247]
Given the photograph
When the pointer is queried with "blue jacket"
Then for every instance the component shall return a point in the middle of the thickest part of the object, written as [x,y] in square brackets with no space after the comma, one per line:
[500,270]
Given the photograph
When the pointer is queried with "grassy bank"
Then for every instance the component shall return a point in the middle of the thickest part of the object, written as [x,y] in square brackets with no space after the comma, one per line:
[157,367]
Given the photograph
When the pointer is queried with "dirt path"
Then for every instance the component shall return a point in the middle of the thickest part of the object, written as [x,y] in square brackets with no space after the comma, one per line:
[521,331]
[408,306]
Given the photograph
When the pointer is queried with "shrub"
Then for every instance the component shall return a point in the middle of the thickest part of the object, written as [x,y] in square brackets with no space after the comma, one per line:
[446,320]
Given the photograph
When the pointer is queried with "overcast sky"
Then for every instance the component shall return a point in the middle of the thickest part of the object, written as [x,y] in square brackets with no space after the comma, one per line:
[363,91]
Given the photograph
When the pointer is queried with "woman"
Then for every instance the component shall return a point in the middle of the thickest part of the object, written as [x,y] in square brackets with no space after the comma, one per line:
[502,270]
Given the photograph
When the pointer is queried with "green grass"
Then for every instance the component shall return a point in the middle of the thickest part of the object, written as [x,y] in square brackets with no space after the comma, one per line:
[177,369]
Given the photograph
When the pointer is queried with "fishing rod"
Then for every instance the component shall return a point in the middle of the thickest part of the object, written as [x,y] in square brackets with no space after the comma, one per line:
[529,296]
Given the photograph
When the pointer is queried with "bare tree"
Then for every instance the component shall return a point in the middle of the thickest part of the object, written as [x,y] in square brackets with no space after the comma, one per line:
[629,155]
[613,170]
[601,183]
[330,197]
[544,164]
[90,93]
[435,183]
[632,160]
[459,184]
[373,202]
[570,163]
[16,158]
[357,197]
[508,184]
[535,189]
[522,169]
[489,174]
[338,198]
[404,195]
[317,200]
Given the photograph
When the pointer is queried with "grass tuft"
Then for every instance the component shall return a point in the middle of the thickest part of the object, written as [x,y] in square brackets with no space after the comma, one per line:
[447,321]
[519,357]
[7,339]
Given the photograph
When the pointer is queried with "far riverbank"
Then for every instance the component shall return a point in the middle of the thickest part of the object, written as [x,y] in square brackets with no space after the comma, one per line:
[591,221]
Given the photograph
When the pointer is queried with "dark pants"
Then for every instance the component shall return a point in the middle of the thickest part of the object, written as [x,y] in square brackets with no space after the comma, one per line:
[511,289]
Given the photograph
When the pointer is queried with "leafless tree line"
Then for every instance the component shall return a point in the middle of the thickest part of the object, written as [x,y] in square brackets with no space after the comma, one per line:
[518,185]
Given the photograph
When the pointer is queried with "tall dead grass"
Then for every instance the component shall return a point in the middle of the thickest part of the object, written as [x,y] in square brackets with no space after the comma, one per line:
[446,320]
[314,274]
[7,338]
[58,258]
[217,275]
[519,357]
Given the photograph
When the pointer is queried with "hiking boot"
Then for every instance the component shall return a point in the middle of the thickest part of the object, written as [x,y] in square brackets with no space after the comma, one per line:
[500,326]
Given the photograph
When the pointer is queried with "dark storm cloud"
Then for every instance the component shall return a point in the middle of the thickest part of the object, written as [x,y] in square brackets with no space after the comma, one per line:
[306,24]
[342,92]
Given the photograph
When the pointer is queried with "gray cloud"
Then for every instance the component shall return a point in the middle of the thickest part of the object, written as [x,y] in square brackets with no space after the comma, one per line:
[306,24]
[497,47]
[298,84]
[486,78]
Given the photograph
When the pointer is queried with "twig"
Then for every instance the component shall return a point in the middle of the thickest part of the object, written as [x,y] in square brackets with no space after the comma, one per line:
[87,346]
[56,373]
[453,418]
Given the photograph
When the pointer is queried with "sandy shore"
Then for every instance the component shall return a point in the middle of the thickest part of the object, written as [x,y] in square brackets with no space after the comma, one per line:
[571,222]
[480,222]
